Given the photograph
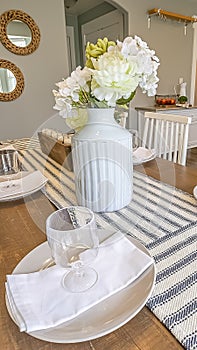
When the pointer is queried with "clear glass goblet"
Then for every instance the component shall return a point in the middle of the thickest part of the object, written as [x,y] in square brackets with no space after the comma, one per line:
[72,236]
[9,169]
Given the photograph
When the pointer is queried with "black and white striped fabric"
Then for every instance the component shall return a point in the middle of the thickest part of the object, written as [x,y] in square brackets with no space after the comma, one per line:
[174,299]
[22,144]
[164,219]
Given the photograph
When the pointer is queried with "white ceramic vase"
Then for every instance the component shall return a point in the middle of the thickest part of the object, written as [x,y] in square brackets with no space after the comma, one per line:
[102,162]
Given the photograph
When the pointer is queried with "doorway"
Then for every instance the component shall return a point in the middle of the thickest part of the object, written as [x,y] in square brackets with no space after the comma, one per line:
[193,88]
[71,48]
[109,25]
[98,20]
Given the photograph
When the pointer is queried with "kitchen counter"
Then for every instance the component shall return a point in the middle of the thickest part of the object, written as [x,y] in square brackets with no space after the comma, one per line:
[160,109]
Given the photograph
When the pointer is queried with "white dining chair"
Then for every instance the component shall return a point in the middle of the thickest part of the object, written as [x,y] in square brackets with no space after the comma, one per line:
[121,117]
[167,134]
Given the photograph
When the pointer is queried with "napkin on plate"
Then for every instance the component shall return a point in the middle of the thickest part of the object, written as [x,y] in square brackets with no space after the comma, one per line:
[39,301]
[141,154]
[28,182]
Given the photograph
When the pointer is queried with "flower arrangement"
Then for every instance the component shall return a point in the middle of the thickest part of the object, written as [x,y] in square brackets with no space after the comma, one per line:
[111,75]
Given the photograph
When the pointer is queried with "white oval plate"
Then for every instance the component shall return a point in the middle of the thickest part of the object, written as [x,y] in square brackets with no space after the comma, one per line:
[22,194]
[101,319]
[29,187]
[145,160]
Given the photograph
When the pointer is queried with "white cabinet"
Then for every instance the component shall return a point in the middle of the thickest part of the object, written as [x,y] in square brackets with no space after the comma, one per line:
[192,112]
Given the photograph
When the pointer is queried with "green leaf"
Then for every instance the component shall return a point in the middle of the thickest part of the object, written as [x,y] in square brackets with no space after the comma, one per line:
[123,101]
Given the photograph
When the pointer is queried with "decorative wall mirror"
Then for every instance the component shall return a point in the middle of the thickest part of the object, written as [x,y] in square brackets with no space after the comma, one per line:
[18,32]
[11,81]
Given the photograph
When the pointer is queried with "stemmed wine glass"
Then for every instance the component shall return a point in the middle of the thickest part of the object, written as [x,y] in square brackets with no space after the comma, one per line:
[9,168]
[72,236]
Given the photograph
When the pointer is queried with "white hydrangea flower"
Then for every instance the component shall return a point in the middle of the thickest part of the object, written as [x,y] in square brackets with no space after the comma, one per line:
[140,42]
[136,50]
[72,86]
[149,84]
[129,47]
[63,107]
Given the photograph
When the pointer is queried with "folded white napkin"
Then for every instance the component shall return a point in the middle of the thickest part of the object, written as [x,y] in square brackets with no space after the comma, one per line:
[141,154]
[23,184]
[39,301]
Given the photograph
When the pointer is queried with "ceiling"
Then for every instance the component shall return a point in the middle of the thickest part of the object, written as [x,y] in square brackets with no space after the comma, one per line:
[82,6]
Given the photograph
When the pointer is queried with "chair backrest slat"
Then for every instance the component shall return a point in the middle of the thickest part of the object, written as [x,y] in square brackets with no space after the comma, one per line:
[176,143]
[165,140]
[156,132]
[160,139]
[183,155]
[171,145]
[145,135]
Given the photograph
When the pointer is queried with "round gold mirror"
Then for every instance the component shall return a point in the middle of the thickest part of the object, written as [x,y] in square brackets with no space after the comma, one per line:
[11,81]
[7,80]
[18,32]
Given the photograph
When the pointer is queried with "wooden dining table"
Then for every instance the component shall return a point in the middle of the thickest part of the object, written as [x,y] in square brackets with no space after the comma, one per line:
[22,228]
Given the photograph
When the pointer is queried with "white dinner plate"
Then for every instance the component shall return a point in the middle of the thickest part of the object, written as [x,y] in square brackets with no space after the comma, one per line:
[29,187]
[137,161]
[101,319]
[195,192]
[15,197]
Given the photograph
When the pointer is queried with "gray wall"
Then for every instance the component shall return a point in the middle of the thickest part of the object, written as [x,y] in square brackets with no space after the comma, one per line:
[41,69]
[47,65]
[168,40]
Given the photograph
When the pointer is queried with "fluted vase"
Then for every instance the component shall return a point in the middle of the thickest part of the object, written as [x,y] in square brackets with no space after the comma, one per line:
[102,162]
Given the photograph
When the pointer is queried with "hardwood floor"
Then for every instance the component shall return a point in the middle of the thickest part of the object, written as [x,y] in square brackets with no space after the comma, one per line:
[192,157]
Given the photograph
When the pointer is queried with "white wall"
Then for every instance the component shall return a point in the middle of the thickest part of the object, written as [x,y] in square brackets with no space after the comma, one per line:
[41,69]
[48,64]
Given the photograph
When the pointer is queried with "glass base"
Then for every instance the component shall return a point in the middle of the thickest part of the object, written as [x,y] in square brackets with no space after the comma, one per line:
[80,280]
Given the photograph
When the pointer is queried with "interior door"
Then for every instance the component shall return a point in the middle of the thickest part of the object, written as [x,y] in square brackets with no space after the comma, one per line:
[109,25]
[71,48]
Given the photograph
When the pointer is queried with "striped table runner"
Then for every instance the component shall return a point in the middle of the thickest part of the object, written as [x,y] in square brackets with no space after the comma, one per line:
[164,219]
[174,299]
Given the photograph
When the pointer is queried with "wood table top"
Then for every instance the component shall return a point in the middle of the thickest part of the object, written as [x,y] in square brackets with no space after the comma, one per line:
[22,228]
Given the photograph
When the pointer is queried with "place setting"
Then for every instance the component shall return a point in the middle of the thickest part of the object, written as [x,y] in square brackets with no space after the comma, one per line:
[15,182]
[142,155]
[81,286]
[195,192]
